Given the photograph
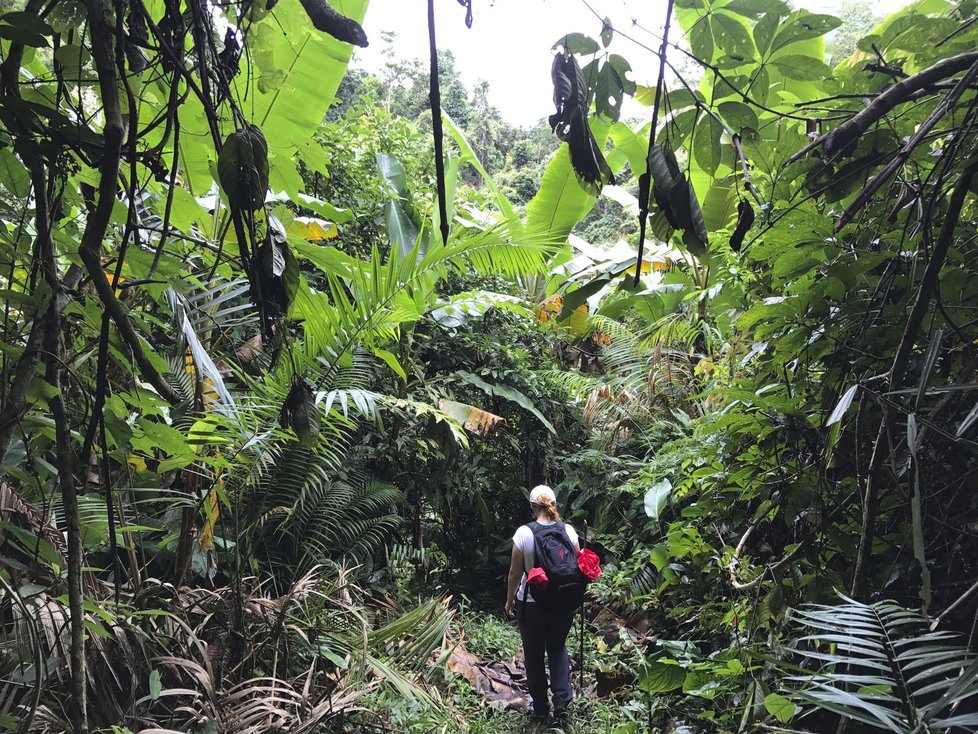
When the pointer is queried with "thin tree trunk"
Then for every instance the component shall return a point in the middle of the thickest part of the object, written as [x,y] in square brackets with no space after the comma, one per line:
[65,454]
[928,287]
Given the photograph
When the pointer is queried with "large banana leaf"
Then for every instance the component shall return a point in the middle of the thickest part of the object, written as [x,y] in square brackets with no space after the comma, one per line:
[468,156]
[298,70]
[561,203]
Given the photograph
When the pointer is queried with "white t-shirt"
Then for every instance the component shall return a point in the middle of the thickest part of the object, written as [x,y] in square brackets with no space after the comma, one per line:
[523,539]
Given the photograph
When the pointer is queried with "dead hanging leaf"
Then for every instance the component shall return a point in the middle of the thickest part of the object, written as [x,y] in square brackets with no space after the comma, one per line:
[247,351]
[313,229]
[570,124]
[242,168]
[474,419]
[745,220]
[325,19]
[601,338]
[300,413]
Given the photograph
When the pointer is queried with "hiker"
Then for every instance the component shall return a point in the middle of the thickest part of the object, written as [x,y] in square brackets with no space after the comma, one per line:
[543,631]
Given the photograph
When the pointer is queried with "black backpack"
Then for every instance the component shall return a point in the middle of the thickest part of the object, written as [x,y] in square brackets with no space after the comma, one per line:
[556,555]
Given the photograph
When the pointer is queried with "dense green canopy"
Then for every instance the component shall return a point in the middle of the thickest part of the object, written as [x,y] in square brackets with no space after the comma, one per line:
[265,431]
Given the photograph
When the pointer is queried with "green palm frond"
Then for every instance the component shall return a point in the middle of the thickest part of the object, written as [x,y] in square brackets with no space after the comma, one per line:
[642,385]
[366,302]
[879,666]
[295,505]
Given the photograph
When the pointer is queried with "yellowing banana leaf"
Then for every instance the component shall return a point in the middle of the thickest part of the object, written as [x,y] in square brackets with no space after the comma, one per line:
[313,230]
[474,419]
[578,320]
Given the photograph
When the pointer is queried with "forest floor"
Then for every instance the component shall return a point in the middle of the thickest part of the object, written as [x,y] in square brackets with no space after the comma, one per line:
[491,684]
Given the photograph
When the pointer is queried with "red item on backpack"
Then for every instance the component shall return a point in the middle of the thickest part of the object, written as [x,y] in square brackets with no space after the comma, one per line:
[537,577]
[589,563]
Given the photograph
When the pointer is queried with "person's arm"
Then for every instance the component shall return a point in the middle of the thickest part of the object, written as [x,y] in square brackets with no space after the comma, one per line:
[513,580]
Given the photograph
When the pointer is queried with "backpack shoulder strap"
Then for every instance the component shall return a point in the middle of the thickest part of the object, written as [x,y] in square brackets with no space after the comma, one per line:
[536,528]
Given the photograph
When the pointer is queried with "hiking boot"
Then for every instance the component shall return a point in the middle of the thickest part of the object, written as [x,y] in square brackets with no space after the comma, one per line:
[536,718]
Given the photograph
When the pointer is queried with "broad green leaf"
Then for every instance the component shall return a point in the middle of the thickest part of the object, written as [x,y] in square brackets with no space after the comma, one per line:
[28,22]
[738,115]
[74,60]
[577,43]
[607,32]
[661,677]
[298,70]
[561,203]
[719,204]
[701,39]
[764,32]
[621,65]
[656,498]
[634,144]
[13,175]
[393,173]
[802,25]
[706,145]
[468,156]
[779,707]
[403,232]
[804,68]
[391,361]
[733,36]
[754,8]
[609,91]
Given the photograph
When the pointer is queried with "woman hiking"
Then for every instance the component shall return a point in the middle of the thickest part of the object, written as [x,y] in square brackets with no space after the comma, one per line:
[543,630]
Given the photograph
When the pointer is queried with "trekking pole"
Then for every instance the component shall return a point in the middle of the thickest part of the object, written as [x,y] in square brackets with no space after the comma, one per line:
[581,672]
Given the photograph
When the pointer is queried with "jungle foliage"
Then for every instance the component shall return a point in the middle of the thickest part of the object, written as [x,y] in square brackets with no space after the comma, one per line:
[265,431]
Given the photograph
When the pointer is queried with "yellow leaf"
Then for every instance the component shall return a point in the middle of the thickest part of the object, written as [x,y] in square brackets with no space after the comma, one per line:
[578,320]
[549,308]
[209,392]
[314,230]
[213,512]
[474,419]
[113,282]
[656,264]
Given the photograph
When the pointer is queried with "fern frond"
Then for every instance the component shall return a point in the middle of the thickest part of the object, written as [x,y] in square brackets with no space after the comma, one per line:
[879,666]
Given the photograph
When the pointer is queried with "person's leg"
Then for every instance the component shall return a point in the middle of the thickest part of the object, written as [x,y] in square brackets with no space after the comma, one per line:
[533,632]
[560,682]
